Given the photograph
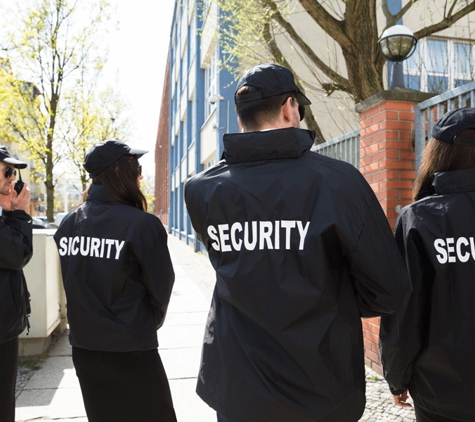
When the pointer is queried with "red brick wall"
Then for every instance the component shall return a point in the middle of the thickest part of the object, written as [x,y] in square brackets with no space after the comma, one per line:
[371,344]
[162,152]
[387,157]
[387,160]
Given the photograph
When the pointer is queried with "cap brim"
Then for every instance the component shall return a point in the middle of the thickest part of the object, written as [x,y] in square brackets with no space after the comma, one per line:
[302,99]
[137,152]
[16,163]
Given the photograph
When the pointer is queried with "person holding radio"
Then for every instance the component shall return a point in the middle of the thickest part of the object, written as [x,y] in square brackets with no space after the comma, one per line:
[16,245]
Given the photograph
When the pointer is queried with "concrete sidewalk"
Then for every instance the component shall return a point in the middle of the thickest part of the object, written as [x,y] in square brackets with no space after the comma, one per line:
[53,393]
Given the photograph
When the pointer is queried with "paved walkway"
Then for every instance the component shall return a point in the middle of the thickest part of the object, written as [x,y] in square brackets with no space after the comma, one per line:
[52,393]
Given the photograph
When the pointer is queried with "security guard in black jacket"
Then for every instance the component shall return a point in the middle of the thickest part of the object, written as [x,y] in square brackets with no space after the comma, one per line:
[302,250]
[429,349]
[118,279]
[16,249]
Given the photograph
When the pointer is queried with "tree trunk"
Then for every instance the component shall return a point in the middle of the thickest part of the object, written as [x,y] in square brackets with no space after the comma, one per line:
[363,60]
[49,186]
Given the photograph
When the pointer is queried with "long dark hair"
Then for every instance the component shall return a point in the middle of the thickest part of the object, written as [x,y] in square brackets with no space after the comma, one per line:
[120,182]
[441,156]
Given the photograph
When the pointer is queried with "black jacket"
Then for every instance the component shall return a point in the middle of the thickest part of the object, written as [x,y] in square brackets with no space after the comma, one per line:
[302,250]
[117,274]
[430,348]
[16,249]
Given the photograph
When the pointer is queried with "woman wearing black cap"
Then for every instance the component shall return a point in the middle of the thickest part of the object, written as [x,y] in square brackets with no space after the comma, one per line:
[429,350]
[118,279]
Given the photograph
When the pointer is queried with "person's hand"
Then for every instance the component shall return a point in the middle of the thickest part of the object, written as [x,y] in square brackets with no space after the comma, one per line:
[400,400]
[20,201]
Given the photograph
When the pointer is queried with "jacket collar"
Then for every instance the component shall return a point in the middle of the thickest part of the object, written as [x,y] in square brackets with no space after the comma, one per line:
[99,193]
[267,145]
[454,181]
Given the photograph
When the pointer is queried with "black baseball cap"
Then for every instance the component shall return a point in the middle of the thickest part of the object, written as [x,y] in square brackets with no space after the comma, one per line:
[269,79]
[103,154]
[6,157]
[452,123]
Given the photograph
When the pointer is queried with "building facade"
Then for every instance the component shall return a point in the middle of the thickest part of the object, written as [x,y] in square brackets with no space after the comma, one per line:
[201,106]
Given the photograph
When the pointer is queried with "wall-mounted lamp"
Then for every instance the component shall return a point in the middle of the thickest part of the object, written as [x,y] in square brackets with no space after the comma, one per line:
[213,99]
[397,44]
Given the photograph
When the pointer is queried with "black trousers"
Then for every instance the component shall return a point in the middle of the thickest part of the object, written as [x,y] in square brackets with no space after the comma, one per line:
[123,387]
[8,373]
[423,415]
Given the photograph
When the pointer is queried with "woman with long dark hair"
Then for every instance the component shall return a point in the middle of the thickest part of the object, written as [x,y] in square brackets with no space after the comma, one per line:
[428,350]
[118,278]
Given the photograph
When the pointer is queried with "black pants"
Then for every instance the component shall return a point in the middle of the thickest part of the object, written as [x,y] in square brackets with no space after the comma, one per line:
[8,372]
[425,416]
[123,387]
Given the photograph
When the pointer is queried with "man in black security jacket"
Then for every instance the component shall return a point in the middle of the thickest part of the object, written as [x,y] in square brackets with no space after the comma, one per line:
[301,250]
[16,249]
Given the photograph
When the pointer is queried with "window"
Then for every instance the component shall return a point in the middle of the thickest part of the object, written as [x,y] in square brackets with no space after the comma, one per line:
[192,39]
[184,65]
[209,163]
[211,74]
[439,65]
[412,66]
[463,63]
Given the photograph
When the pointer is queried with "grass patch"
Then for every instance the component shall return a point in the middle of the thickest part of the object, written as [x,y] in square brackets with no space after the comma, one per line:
[374,378]
[30,362]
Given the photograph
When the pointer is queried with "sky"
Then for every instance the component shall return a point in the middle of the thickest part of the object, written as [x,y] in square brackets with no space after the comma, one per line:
[137,60]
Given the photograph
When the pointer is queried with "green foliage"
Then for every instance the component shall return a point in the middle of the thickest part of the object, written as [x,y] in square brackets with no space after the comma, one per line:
[50,44]
[31,362]
[92,116]
[242,32]
[146,186]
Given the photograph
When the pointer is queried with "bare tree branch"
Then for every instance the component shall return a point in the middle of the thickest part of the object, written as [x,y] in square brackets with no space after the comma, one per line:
[445,23]
[392,19]
[332,26]
[310,120]
[327,70]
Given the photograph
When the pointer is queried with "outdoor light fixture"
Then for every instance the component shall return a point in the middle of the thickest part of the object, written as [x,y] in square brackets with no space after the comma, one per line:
[397,44]
[213,99]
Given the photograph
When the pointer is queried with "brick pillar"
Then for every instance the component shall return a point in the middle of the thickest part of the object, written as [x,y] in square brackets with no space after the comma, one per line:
[161,203]
[387,161]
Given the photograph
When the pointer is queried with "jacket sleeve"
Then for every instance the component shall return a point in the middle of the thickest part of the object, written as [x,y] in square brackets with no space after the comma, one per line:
[401,334]
[16,239]
[158,274]
[196,207]
[380,280]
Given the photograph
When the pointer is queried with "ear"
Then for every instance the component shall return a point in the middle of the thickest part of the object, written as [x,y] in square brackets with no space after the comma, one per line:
[286,112]
[243,129]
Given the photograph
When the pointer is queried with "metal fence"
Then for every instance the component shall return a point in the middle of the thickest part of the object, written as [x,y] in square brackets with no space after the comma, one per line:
[345,148]
[428,112]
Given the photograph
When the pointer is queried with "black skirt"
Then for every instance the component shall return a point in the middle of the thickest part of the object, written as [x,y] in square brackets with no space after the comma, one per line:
[124,387]
[423,415]
[8,372]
